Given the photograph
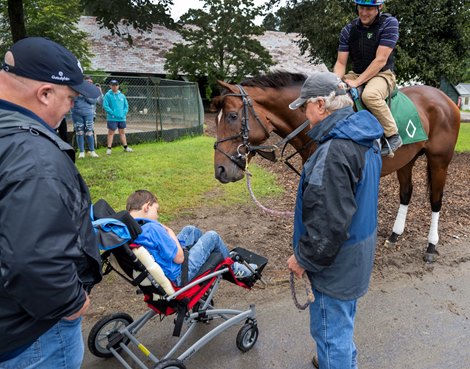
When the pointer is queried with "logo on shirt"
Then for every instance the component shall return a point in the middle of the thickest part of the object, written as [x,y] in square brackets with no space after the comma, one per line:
[369,35]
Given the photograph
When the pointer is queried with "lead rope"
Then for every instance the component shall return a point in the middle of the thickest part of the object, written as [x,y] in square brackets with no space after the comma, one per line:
[308,292]
[308,288]
[264,208]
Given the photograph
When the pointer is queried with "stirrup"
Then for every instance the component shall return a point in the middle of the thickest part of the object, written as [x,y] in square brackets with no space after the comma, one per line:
[386,149]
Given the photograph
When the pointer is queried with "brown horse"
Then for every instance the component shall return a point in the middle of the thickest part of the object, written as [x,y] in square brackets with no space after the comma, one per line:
[249,112]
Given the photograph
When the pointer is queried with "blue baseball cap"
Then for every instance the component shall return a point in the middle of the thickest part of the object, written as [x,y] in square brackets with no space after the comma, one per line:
[44,60]
[113,82]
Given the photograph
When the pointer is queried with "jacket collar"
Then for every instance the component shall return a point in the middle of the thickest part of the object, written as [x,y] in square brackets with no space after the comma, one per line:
[13,116]
[322,128]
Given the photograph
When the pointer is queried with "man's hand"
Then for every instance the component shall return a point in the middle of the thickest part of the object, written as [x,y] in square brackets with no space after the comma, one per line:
[294,267]
[82,311]
[351,83]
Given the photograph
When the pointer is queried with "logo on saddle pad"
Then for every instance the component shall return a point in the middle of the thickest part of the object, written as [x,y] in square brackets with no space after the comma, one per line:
[410,129]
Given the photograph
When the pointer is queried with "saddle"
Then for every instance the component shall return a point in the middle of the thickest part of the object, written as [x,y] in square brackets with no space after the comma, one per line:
[403,111]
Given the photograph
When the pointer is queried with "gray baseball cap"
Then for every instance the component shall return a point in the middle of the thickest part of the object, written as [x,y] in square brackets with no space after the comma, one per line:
[319,84]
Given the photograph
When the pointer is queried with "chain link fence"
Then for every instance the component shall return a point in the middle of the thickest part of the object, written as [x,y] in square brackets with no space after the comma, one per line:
[159,109]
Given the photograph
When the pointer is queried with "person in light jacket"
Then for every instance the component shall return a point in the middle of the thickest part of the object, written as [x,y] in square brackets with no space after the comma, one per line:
[116,107]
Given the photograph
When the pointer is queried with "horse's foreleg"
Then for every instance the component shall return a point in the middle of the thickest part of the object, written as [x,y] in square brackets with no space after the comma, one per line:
[404,176]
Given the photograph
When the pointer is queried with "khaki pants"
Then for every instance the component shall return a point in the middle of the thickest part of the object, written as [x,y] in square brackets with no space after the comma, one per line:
[375,92]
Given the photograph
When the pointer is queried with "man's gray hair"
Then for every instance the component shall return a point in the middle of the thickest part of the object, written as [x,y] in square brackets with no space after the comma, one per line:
[333,102]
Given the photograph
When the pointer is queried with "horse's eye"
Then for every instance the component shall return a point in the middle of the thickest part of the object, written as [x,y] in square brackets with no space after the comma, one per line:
[232,116]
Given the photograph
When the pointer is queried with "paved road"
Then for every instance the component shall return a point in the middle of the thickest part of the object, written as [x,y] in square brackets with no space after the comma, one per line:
[418,323]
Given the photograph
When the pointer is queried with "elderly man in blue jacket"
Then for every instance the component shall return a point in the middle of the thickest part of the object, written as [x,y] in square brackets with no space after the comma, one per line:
[335,225]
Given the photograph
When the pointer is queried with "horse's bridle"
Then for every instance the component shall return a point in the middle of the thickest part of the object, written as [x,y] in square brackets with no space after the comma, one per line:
[244,132]
[267,152]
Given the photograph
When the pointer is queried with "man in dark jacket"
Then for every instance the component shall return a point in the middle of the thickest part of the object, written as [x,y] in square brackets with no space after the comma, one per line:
[335,222]
[49,259]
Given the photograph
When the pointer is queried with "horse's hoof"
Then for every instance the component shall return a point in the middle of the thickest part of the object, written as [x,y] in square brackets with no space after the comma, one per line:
[392,240]
[431,254]
[430,258]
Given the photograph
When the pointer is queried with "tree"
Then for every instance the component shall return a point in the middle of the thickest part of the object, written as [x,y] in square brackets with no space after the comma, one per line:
[434,39]
[116,15]
[218,43]
[55,19]
[434,36]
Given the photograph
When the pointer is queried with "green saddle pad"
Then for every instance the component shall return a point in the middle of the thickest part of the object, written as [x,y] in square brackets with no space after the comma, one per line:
[407,118]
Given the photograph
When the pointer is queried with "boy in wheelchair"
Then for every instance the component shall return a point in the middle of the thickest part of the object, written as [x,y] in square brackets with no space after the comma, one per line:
[167,248]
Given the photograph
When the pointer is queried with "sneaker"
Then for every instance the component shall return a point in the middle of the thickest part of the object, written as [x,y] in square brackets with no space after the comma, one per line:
[81,155]
[391,144]
[108,151]
[93,154]
[242,271]
[128,149]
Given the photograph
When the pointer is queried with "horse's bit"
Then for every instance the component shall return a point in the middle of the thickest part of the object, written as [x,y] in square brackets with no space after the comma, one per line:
[267,152]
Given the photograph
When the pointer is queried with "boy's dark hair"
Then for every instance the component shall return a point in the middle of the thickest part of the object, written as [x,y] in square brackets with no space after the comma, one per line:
[139,198]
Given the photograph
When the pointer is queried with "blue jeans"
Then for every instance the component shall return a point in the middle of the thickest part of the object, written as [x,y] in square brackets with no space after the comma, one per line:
[61,347]
[332,328]
[200,246]
[84,127]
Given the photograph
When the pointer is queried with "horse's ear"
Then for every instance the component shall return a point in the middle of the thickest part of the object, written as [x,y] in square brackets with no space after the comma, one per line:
[216,104]
[233,89]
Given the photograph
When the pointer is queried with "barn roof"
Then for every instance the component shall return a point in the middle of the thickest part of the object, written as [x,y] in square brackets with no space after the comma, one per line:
[147,54]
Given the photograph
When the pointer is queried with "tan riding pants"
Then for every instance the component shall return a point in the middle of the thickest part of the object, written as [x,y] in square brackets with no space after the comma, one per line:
[375,92]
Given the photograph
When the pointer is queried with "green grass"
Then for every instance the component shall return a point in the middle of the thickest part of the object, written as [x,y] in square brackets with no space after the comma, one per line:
[180,173]
[463,142]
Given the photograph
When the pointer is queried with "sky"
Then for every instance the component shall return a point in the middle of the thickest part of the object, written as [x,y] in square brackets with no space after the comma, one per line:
[181,6]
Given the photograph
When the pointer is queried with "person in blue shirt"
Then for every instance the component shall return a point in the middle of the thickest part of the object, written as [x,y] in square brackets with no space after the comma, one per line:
[167,248]
[116,107]
[335,222]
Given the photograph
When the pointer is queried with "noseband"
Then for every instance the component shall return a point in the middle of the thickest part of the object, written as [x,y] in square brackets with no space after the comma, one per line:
[267,152]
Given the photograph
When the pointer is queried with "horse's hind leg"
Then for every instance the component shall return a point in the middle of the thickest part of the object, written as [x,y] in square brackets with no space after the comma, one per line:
[404,175]
[437,174]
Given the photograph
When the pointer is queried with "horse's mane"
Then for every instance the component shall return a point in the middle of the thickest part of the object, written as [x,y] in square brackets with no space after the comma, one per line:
[275,79]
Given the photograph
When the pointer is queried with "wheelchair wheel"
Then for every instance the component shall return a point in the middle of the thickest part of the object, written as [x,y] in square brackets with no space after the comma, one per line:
[247,337]
[105,330]
[170,364]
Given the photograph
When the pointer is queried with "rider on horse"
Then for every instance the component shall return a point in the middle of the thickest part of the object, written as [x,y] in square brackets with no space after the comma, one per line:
[370,39]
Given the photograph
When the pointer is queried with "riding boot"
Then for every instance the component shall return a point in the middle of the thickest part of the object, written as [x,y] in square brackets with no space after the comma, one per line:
[390,145]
